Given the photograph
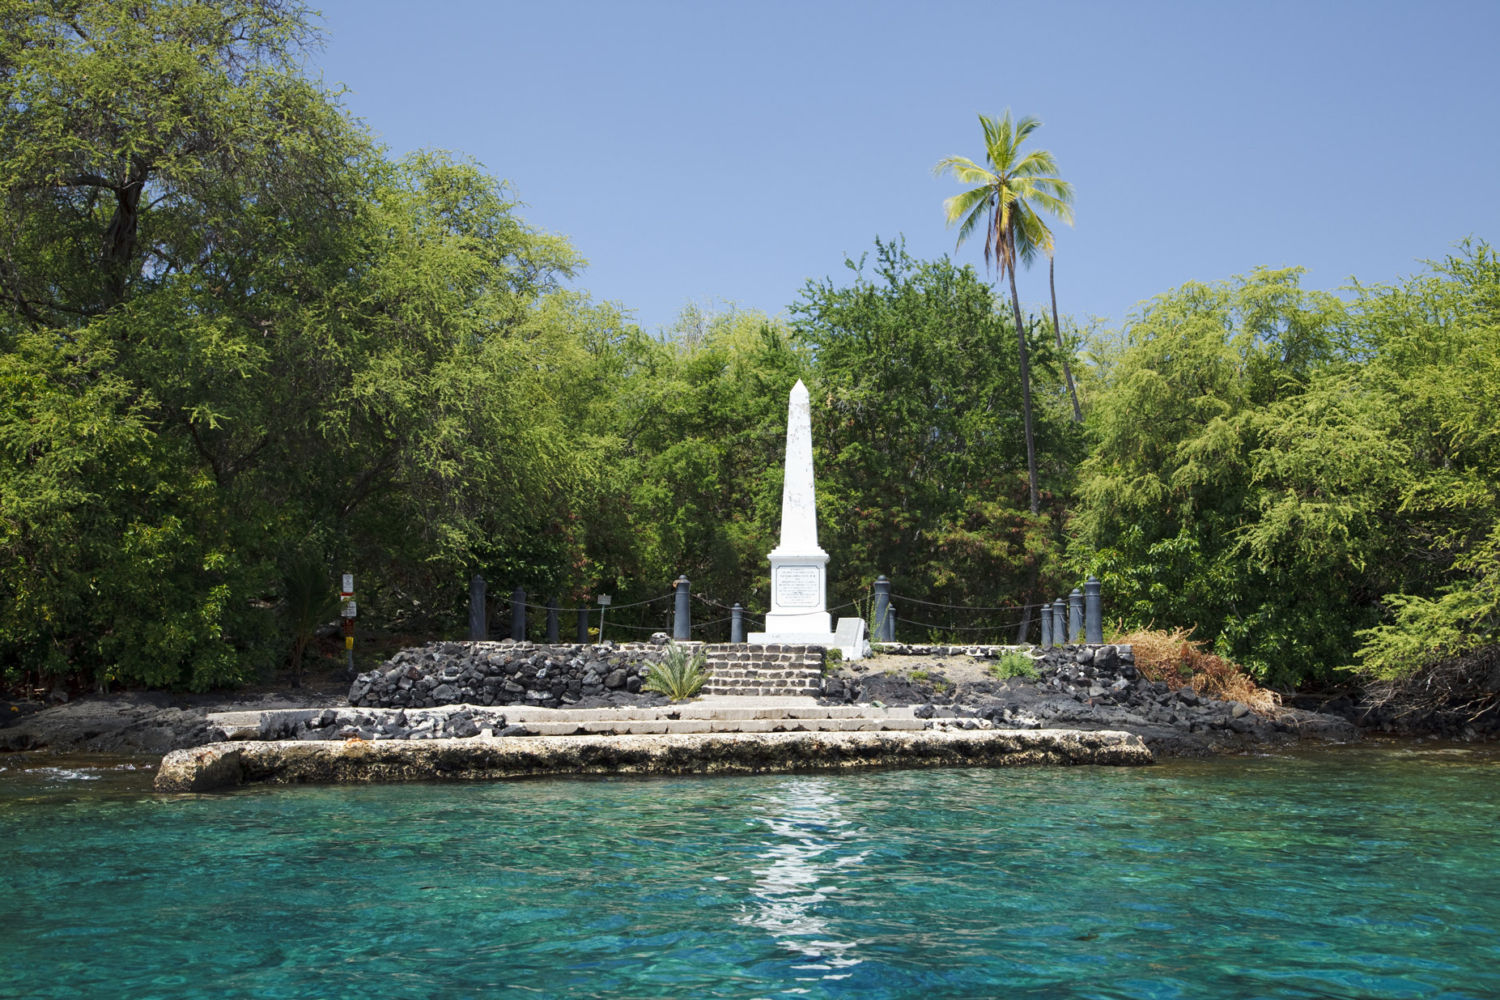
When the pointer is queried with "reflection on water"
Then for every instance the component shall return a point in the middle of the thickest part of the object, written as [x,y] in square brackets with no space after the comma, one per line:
[1356,873]
[813,846]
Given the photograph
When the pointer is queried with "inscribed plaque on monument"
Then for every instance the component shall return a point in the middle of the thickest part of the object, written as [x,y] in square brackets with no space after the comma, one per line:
[797,586]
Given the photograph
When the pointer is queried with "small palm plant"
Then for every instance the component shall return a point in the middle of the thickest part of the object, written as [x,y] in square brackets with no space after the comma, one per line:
[679,675]
[309,600]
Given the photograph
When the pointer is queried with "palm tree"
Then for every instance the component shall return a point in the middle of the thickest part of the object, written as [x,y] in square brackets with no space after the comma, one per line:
[1057,331]
[1001,204]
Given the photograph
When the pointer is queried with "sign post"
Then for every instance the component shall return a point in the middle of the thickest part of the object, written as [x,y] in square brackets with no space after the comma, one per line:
[604,602]
[347,610]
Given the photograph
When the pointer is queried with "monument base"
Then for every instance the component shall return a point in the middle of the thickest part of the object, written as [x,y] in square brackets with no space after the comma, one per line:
[804,623]
[849,639]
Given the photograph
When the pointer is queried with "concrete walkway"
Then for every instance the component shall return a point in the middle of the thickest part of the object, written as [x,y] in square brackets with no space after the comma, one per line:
[712,714]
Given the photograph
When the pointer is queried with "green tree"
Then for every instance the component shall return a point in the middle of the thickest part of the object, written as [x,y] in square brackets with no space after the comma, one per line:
[1001,205]
[1433,349]
[1238,479]
[922,466]
[235,333]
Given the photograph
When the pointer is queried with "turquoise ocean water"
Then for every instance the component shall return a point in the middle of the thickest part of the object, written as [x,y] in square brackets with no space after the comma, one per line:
[1355,872]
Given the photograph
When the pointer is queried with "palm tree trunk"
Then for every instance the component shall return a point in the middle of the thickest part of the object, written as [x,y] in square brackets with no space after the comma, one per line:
[1056,329]
[1024,627]
[1015,305]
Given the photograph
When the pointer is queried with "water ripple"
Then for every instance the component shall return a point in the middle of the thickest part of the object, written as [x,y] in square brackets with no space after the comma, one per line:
[1351,874]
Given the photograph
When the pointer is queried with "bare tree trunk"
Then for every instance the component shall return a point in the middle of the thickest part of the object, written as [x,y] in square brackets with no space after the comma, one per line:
[1057,329]
[1015,305]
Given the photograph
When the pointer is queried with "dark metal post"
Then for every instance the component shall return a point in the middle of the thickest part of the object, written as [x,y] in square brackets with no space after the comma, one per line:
[1075,616]
[890,626]
[1046,625]
[736,623]
[552,620]
[1093,612]
[583,625]
[479,619]
[884,628]
[682,621]
[1059,623]
[518,614]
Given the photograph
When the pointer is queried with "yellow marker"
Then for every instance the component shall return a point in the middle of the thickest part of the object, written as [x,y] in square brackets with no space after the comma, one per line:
[348,642]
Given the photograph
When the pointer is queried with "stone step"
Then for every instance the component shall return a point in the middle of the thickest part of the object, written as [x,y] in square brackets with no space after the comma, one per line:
[680,726]
[694,711]
[749,682]
[720,676]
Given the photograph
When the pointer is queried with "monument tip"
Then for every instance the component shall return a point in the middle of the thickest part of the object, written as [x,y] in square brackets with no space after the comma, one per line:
[799,387]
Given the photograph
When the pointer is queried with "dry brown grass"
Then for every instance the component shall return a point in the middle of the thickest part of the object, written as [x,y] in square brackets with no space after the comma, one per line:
[1176,658]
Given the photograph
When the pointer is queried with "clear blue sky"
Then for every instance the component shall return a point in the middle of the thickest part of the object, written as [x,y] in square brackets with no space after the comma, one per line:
[730,151]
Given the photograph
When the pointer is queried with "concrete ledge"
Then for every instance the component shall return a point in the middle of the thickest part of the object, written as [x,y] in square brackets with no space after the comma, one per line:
[290,762]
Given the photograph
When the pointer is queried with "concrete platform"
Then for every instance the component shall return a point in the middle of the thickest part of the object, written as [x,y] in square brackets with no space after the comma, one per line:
[224,765]
[721,714]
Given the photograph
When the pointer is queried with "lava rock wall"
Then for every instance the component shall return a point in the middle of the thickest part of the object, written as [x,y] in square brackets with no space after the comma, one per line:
[504,673]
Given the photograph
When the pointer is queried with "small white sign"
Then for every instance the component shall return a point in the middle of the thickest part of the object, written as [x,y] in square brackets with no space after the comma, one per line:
[349,610]
[348,583]
[604,599]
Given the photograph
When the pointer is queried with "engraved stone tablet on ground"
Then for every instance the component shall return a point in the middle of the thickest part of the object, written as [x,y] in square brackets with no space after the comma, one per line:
[797,586]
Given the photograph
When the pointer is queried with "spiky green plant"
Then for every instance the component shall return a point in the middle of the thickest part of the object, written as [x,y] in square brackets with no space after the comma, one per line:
[679,675]
[308,600]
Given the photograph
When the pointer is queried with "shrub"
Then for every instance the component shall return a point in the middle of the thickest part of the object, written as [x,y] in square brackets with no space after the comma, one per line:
[832,656]
[936,681]
[679,675]
[1014,664]
[1173,657]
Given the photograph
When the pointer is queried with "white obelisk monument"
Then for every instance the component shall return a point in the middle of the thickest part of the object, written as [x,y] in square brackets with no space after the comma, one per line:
[799,566]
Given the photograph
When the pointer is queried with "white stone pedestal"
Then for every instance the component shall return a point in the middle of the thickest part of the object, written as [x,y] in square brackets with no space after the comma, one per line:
[799,566]
[798,587]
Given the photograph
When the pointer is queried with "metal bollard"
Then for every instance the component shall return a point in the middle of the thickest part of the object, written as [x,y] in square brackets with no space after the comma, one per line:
[479,620]
[1046,625]
[583,626]
[1059,622]
[1075,616]
[885,628]
[682,621]
[552,620]
[518,614]
[736,623]
[1093,612]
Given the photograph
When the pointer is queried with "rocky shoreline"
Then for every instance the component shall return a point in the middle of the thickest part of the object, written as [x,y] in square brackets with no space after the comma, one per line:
[223,765]
[1077,687]
[951,688]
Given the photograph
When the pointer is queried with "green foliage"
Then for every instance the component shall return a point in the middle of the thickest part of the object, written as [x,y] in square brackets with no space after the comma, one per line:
[1013,664]
[679,675]
[1309,483]
[233,331]
[308,600]
[242,347]
[919,433]
[1005,204]
[1434,348]
[936,681]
